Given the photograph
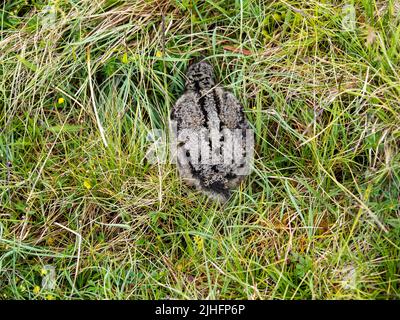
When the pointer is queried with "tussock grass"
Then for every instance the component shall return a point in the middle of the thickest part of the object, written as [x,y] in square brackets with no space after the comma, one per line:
[317,219]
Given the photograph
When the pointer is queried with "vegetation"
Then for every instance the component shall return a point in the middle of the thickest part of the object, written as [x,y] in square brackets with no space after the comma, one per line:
[83,83]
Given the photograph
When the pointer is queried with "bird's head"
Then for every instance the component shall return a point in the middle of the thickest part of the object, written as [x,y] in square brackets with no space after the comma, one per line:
[200,76]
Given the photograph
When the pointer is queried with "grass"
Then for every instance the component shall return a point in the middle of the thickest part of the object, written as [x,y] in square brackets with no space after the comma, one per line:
[82,87]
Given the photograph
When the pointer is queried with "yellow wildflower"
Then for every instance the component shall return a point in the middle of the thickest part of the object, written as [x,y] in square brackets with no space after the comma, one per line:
[36,289]
[125,58]
[199,241]
[50,241]
[87,184]
[61,100]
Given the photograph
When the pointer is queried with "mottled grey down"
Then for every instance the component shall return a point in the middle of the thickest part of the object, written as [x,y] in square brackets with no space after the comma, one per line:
[210,135]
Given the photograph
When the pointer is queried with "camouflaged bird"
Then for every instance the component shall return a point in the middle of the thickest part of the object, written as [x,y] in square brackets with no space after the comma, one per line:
[211,137]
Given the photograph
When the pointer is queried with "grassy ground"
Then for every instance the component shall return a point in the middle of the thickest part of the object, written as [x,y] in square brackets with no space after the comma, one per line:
[318,218]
